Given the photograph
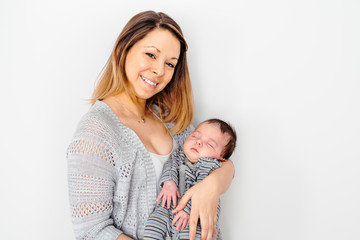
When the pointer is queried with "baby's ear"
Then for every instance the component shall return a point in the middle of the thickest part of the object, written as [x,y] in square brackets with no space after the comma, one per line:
[221,159]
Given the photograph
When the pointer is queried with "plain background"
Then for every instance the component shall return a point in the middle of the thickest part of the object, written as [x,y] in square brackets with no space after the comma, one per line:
[284,73]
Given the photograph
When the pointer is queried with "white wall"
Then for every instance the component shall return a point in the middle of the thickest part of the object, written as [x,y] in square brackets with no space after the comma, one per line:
[284,73]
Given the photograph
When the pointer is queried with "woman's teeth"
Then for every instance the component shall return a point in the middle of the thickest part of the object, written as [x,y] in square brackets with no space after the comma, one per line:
[148,81]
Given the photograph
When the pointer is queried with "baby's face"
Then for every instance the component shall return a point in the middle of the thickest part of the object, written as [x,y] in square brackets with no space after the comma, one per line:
[206,141]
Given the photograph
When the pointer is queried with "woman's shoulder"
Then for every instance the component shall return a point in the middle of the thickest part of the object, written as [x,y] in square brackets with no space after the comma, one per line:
[100,133]
[98,121]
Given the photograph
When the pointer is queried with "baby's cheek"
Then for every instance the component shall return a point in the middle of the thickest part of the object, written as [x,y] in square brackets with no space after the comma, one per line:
[186,151]
[213,154]
[186,145]
[218,155]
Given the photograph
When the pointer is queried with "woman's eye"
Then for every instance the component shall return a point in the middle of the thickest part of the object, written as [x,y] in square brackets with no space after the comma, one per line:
[170,65]
[150,55]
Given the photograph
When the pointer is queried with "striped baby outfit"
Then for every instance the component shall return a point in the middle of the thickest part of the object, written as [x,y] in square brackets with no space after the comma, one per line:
[185,175]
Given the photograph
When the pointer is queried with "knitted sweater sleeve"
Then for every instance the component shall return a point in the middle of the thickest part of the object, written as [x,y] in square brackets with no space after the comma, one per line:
[91,179]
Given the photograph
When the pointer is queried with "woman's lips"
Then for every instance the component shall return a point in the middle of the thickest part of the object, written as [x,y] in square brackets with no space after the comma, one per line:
[148,81]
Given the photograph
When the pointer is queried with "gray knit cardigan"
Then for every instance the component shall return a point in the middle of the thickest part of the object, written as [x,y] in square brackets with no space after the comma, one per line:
[111,177]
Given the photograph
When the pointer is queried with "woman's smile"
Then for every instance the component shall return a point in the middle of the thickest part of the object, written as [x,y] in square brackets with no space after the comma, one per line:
[150,82]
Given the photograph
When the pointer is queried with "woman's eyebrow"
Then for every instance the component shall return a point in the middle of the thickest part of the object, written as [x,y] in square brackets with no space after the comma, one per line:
[153,47]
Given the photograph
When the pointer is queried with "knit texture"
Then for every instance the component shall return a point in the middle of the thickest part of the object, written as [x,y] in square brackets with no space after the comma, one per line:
[112,184]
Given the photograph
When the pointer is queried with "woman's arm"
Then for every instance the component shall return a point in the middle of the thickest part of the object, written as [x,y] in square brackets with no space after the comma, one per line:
[91,186]
[205,199]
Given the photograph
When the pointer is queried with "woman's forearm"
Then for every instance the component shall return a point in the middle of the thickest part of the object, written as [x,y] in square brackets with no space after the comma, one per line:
[222,177]
[205,198]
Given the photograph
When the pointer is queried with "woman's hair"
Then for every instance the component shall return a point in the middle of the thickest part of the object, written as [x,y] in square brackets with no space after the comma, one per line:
[175,101]
[225,128]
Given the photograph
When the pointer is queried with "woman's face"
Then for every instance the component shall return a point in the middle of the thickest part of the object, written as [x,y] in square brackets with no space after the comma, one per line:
[151,62]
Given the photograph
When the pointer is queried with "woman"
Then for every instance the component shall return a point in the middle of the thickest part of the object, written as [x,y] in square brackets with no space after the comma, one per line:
[142,110]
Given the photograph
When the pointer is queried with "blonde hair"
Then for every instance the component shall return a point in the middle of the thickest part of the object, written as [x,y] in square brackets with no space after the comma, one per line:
[175,101]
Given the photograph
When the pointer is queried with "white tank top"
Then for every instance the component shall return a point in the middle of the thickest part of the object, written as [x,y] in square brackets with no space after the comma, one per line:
[159,161]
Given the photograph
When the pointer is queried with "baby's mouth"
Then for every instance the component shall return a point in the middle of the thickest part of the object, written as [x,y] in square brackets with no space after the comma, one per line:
[195,150]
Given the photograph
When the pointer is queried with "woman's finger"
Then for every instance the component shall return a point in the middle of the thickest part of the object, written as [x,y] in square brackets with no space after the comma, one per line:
[210,229]
[194,216]
[204,223]
[214,228]
[183,201]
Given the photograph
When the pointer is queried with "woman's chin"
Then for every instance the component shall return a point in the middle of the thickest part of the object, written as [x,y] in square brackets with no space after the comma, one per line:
[144,96]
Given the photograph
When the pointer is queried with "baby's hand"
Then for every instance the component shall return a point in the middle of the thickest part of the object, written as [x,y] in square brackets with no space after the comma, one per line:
[169,192]
[182,219]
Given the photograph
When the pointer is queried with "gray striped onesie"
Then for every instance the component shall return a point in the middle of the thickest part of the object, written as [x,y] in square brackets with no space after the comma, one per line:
[185,174]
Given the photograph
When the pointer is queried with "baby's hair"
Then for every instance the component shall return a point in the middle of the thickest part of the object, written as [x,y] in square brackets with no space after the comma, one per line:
[225,128]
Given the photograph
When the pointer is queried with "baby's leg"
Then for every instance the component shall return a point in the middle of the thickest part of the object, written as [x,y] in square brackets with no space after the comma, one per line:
[157,226]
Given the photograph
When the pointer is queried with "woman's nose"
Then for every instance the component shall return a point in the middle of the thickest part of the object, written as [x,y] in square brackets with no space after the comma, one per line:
[158,68]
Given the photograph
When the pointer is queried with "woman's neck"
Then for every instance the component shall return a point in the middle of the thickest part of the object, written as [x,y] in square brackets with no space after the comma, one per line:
[137,107]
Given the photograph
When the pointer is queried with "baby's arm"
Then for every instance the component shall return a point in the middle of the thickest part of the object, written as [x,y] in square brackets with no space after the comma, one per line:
[169,180]
[205,166]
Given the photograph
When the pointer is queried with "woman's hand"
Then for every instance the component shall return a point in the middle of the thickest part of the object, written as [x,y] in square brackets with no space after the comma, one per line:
[204,203]
[204,200]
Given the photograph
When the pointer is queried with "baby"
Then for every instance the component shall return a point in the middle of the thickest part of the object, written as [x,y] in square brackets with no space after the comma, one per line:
[212,141]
